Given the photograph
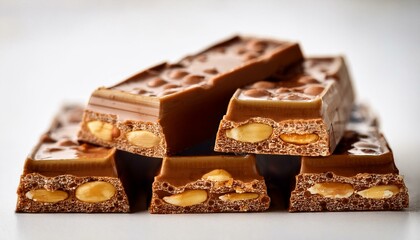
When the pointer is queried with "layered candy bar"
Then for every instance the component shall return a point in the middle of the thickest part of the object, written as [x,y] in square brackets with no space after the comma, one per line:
[62,175]
[360,175]
[301,110]
[205,184]
[172,106]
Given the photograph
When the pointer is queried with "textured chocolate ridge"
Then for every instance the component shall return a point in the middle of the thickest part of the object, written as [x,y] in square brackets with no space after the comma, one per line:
[69,183]
[302,200]
[125,127]
[213,203]
[274,144]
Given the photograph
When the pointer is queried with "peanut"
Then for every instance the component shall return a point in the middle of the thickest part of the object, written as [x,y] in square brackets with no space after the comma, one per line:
[217,175]
[43,195]
[299,139]
[102,130]
[232,197]
[187,198]
[332,190]
[379,192]
[250,132]
[94,192]
[143,139]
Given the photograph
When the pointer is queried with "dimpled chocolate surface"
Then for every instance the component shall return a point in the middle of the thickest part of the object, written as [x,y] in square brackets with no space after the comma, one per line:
[179,174]
[59,151]
[312,97]
[304,83]
[59,162]
[362,159]
[181,103]
[201,70]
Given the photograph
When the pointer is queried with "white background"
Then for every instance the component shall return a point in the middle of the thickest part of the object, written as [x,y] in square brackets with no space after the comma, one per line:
[56,51]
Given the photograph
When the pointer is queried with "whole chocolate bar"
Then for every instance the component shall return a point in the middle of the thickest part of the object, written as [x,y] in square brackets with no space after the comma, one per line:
[170,107]
[61,175]
[204,184]
[360,175]
[301,111]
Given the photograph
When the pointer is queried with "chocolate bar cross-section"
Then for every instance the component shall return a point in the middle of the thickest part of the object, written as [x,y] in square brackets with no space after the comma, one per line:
[299,111]
[204,184]
[360,175]
[61,175]
[170,107]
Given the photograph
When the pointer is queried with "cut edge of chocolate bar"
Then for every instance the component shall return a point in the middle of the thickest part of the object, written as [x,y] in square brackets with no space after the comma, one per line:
[210,186]
[316,192]
[70,194]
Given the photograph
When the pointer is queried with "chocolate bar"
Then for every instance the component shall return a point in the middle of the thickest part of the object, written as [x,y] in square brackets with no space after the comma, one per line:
[360,175]
[299,111]
[170,107]
[61,175]
[204,184]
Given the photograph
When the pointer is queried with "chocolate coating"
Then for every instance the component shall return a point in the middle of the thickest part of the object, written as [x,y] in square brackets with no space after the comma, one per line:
[299,87]
[202,68]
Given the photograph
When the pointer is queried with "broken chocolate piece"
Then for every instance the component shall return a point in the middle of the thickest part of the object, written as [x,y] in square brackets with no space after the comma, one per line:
[204,184]
[61,175]
[360,175]
[170,107]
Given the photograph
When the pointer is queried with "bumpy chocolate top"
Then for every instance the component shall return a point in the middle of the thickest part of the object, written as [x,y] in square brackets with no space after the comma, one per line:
[363,149]
[303,82]
[311,89]
[59,151]
[201,70]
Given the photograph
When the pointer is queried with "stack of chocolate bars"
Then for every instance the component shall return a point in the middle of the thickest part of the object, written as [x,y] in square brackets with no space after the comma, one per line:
[254,96]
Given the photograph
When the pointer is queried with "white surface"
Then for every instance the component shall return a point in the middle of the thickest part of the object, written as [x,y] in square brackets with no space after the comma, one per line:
[53,51]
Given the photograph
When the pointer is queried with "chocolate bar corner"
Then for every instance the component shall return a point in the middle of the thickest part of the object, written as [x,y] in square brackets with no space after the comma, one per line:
[62,175]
